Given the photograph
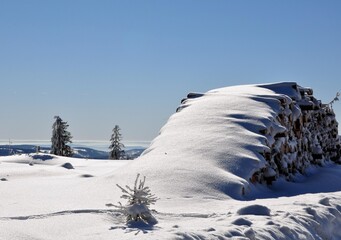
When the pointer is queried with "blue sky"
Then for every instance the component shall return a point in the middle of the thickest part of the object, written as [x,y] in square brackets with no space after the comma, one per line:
[101,63]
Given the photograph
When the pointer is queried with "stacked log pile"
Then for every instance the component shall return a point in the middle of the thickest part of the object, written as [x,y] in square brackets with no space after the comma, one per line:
[304,133]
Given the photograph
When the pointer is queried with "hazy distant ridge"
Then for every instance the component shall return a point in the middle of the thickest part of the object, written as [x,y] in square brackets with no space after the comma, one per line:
[79,152]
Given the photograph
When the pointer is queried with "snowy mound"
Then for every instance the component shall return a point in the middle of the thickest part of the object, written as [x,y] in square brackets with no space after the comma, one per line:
[219,143]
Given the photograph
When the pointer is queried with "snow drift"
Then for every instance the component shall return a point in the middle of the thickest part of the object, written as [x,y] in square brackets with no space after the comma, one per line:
[220,143]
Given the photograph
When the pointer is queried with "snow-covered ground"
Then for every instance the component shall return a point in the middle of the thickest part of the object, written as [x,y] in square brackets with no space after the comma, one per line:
[199,166]
[48,201]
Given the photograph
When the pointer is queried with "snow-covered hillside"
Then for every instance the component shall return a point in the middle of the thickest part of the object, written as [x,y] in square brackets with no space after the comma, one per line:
[243,162]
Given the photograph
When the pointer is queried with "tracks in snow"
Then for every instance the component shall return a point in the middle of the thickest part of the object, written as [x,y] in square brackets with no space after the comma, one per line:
[113,212]
[62,213]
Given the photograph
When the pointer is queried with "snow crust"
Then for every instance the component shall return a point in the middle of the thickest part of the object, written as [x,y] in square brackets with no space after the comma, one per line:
[199,166]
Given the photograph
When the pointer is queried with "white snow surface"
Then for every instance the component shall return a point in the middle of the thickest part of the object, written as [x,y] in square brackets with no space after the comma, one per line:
[199,166]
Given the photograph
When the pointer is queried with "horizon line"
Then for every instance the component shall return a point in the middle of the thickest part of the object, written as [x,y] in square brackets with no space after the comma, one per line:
[49,140]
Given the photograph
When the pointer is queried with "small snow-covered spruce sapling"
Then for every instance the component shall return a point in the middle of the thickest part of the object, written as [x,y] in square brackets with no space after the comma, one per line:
[139,200]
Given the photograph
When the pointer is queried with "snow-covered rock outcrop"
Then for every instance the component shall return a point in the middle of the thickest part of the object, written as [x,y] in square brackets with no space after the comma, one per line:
[220,142]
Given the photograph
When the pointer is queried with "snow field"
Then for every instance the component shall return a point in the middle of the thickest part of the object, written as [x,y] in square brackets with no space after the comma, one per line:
[201,166]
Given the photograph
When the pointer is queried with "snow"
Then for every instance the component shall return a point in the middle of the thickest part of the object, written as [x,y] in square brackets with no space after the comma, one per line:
[199,166]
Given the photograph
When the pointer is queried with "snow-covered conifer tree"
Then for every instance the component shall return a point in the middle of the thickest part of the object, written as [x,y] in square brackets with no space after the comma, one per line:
[116,146]
[139,200]
[60,138]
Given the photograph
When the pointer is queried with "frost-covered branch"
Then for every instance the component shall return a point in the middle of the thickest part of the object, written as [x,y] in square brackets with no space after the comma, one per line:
[336,98]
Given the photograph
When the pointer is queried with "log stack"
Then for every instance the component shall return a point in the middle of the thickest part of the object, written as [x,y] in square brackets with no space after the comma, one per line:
[304,133]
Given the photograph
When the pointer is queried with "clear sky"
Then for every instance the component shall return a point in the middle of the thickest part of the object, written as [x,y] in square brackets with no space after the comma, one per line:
[101,63]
